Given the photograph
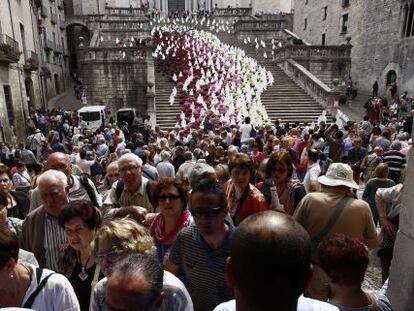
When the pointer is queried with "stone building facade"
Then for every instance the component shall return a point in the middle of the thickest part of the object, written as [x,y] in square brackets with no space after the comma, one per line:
[266,6]
[33,60]
[381,35]
[20,87]
[53,48]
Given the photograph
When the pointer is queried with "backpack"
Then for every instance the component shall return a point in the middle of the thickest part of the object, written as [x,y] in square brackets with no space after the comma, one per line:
[120,187]
[84,180]
[253,132]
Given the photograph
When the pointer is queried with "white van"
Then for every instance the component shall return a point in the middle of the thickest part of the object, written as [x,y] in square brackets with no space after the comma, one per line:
[94,116]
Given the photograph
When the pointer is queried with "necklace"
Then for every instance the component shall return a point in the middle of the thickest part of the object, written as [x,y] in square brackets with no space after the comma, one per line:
[83,275]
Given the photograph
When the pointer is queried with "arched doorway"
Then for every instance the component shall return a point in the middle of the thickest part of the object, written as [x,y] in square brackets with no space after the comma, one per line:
[74,32]
[391,77]
[56,81]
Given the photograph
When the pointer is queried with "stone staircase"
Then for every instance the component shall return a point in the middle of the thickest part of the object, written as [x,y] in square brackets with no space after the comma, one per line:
[166,114]
[284,100]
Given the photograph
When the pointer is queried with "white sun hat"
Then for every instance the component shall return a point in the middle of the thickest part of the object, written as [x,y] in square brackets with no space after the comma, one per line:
[338,174]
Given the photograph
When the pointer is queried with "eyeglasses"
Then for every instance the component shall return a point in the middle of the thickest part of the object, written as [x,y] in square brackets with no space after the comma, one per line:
[171,197]
[211,212]
[5,180]
[129,168]
[110,257]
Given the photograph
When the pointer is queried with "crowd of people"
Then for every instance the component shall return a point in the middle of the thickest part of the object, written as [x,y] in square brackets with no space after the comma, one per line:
[222,217]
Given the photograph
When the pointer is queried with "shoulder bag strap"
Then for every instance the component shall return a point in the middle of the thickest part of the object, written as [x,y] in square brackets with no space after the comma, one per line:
[94,282]
[89,190]
[331,222]
[29,302]
[119,188]
[241,201]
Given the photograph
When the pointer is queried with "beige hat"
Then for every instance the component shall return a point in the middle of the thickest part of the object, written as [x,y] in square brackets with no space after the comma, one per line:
[338,174]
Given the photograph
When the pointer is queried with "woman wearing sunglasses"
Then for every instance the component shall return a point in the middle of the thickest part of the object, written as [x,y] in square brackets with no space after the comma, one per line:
[80,219]
[171,197]
[117,239]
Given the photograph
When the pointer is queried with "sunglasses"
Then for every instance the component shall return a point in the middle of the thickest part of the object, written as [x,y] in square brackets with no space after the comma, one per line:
[110,257]
[171,197]
[211,212]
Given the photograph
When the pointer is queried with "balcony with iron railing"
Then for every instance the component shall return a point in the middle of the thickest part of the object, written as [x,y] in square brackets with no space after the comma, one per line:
[62,25]
[60,4]
[53,18]
[49,45]
[31,61]
[43,11]
[9,49]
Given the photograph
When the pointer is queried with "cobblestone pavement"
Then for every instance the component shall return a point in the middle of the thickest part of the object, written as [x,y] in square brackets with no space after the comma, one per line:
[67,100]
[373,275]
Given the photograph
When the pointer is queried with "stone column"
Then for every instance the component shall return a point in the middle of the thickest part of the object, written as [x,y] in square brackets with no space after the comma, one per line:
[150,94]
[401,281]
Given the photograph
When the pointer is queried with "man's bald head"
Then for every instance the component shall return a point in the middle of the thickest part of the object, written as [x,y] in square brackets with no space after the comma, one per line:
[270,255]
[59,161]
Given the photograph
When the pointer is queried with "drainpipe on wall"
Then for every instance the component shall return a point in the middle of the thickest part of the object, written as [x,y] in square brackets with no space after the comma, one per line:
[17,66]
[42,99]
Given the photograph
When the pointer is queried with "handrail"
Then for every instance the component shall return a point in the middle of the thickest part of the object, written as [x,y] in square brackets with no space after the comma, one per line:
[231,11]
[310,83]
[313,52]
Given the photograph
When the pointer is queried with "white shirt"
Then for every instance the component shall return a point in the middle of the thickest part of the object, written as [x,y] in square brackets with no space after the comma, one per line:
[57,294]
[304,304]
[85,165]
[245,130]
[312,174]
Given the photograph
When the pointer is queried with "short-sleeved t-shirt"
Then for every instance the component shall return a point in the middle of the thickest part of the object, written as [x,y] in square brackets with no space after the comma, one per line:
[304,304]
[57,294]
[372,186]
[203,267]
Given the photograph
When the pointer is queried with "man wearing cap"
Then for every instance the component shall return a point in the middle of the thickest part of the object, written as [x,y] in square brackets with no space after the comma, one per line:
[317,209]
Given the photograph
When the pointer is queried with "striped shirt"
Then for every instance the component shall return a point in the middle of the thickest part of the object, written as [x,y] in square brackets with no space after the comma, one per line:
[55,241]
[395,159]
[203,267]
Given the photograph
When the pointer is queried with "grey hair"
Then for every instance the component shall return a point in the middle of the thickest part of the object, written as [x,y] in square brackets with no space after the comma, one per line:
[165,155]
[137,265]
[132,157]
[396,145]
[199,172]
[53,175]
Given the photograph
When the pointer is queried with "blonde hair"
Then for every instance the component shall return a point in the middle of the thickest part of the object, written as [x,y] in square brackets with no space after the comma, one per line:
[126,236]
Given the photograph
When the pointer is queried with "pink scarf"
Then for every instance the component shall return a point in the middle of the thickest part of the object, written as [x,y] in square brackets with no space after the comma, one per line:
[157,228]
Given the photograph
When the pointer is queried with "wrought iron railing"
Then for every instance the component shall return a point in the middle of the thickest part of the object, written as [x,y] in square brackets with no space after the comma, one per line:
[31,61]
[9,49]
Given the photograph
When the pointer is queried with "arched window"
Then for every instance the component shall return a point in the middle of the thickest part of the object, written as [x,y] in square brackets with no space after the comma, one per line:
[408,29]
[391,77]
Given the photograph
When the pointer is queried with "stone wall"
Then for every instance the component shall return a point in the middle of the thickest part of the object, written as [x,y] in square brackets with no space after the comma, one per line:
[10,77]
[374,31]
[401,281]
[381,47]
[114,81]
